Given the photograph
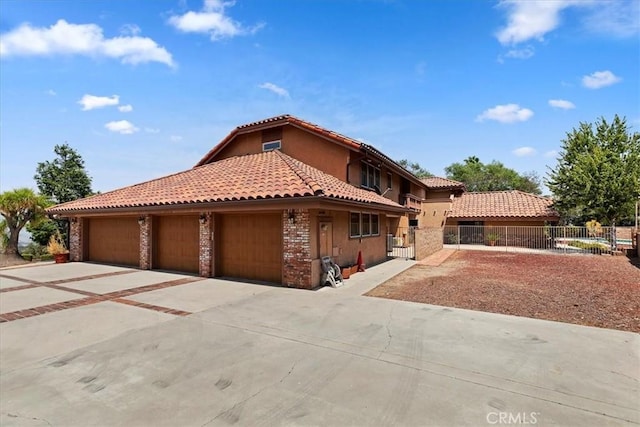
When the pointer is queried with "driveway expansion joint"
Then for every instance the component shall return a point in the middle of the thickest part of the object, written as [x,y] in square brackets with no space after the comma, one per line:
[94,298]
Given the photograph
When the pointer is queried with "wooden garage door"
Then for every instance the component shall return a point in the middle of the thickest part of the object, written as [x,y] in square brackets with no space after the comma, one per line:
[176,243]
[250,247]
[114,240]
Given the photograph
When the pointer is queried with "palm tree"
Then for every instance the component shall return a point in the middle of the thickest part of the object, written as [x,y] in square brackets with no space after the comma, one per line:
[18,207]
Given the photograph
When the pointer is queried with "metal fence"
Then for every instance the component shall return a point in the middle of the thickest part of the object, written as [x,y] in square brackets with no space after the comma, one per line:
[401,243]
[565,239]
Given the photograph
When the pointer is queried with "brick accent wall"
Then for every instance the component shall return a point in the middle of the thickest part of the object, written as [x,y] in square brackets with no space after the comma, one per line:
[146,242]
[206,245]
[296,248]
[428,241]
[76,239]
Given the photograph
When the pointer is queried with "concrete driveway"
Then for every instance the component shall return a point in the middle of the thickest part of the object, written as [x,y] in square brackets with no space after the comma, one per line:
[84,344]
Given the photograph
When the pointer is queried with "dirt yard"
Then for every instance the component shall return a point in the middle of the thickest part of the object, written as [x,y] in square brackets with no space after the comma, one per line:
[8,261]
[590,290]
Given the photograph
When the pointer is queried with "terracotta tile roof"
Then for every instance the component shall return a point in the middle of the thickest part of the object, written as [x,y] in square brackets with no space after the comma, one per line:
[502,204]
[269,175]
[438,183]
[279,121]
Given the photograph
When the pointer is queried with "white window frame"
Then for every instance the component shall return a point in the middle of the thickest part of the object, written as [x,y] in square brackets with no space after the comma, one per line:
[266,146]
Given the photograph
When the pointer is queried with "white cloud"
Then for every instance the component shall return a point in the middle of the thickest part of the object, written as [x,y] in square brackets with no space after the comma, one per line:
[562,103]
[275,89]
[508,113]
[122,126]
[91,102]
[524,53]
[551,153]
[618,18]
[130,30]
[600,79]
[175,138]
[212,20]
[63,38]
[125,108]
[151,130]
[530,19]
[51,92]
[533,19]
[524,151]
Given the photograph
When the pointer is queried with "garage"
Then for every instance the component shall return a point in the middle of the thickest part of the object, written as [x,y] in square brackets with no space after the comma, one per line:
[114,240]
[249,246]
[176,243]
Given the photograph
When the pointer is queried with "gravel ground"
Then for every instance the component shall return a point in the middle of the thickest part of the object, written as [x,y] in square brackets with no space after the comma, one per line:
[592,290]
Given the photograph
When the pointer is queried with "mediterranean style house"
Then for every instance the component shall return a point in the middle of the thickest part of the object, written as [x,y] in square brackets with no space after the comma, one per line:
[265,204]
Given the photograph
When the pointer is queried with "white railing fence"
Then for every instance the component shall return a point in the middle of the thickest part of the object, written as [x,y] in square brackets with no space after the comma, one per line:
[564,239]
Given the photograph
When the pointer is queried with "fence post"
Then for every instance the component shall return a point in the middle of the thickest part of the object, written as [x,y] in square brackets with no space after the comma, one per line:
[506,238]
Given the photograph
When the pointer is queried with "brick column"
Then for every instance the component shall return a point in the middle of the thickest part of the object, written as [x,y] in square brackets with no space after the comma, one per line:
[296,248]
[76,239]
[146,242]
[206,244]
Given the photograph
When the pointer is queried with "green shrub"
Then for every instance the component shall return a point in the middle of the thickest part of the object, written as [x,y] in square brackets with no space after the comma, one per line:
[589,246]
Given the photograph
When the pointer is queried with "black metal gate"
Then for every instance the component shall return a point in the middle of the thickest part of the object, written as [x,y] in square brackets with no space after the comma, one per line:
[401,243]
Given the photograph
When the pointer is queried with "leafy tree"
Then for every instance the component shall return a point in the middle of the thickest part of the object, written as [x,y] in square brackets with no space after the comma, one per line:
[61,180]
[414,168]
[4,235]
[598,172]
[64,179]
[493,176]
[42,230]
[18,207]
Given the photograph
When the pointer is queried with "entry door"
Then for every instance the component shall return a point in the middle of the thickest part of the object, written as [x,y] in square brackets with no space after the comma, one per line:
[326,239]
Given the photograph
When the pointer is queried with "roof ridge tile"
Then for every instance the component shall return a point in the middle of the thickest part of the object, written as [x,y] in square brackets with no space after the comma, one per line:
[313,185]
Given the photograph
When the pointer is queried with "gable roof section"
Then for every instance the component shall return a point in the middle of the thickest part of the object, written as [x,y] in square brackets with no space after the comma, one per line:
[438,183]
[502,204]
[285,119]
[288,119]
[270,175]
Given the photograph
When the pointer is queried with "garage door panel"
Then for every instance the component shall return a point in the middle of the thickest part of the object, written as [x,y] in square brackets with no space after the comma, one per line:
[250,247]
[177,241]
[114,241]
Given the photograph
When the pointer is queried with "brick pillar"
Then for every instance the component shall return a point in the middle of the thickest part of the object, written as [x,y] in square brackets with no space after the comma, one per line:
[146,242]
[76,239]
[296,248]
[206,245]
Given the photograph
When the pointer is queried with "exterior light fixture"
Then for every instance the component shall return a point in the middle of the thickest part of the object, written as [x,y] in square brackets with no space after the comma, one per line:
[141,220]
[203,219]
[74,220]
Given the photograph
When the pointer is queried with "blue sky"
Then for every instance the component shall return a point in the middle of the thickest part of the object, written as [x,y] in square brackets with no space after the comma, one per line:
[145,89]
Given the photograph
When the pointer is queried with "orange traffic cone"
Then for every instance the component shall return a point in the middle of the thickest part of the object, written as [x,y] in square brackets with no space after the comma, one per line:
[359,262]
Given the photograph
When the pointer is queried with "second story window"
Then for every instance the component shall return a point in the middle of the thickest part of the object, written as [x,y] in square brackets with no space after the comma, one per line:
[370,176]
[389,181]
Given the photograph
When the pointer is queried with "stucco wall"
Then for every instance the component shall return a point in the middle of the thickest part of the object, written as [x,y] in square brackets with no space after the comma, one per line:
[345,249]
[434,213]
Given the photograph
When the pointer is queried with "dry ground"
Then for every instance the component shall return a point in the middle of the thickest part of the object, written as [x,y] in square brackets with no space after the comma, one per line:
[10,260]
[590,290]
